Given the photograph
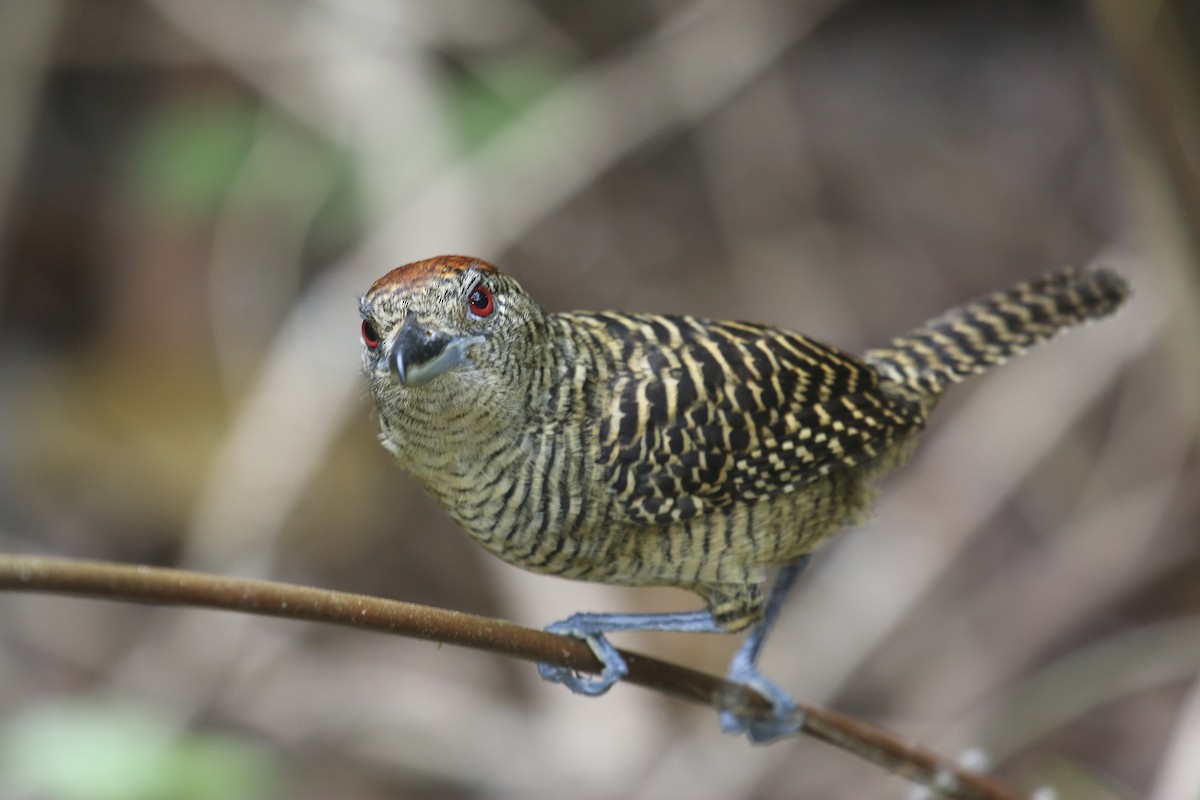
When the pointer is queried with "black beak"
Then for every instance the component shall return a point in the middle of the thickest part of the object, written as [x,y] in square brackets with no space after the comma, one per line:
[419,354]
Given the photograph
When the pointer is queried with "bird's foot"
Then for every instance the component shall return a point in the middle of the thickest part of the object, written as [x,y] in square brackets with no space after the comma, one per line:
[785,720]
[614,666]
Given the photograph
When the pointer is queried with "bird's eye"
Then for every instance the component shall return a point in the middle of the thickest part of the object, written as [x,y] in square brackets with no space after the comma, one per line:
[370,335]
[480,301]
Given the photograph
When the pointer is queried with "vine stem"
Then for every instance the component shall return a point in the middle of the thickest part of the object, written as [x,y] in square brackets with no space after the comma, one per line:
[163,586]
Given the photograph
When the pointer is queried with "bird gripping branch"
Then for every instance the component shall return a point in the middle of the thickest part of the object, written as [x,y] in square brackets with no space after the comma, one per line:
[649,450]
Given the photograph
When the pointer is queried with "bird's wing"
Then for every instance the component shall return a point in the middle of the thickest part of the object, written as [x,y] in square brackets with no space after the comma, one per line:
[706,414]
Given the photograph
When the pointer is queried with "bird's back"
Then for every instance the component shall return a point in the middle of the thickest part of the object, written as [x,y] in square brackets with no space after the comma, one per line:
[718,448]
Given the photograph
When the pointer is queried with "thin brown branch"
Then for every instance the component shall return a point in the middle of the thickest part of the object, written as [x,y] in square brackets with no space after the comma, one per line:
[158,585]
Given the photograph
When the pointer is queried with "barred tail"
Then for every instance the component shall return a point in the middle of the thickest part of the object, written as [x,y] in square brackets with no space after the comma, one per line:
[971,338]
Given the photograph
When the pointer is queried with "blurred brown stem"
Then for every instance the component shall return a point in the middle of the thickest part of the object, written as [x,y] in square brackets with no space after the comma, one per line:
[1154,49]
[158,585]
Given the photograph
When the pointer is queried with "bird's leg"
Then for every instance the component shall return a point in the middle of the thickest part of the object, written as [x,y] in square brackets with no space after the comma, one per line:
[592,627]
[743,669]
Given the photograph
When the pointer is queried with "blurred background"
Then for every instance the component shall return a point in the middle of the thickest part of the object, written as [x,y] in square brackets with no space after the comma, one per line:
[193,194]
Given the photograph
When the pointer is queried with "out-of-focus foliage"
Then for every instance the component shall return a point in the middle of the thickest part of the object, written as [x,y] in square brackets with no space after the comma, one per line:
[93,751]
[189,154]
[482,110]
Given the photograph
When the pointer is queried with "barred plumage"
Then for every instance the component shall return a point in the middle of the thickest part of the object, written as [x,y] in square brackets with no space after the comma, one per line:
[665,450]
[989,331]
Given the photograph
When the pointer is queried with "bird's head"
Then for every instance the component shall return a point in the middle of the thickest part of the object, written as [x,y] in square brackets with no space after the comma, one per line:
[447,331]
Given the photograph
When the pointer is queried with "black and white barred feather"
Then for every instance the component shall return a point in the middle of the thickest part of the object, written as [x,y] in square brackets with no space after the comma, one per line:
[641,449]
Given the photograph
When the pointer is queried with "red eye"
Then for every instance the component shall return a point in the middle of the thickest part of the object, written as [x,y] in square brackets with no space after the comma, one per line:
[480,301]
[370,336]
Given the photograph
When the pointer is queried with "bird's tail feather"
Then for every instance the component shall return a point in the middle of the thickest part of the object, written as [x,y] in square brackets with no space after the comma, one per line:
[979,335]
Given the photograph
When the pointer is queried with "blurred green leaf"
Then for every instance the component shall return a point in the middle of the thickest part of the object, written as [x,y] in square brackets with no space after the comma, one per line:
[93,751]
[487,100]
[189,153]
[197,158]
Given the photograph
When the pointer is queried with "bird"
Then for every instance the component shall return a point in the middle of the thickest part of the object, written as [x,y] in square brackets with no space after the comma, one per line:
[641,449]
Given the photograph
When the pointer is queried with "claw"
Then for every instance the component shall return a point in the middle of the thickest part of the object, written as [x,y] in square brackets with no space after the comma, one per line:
[614,666]
[784,721]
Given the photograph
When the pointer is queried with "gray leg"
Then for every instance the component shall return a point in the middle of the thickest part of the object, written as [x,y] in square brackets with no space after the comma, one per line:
[743,668]
[592,627]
